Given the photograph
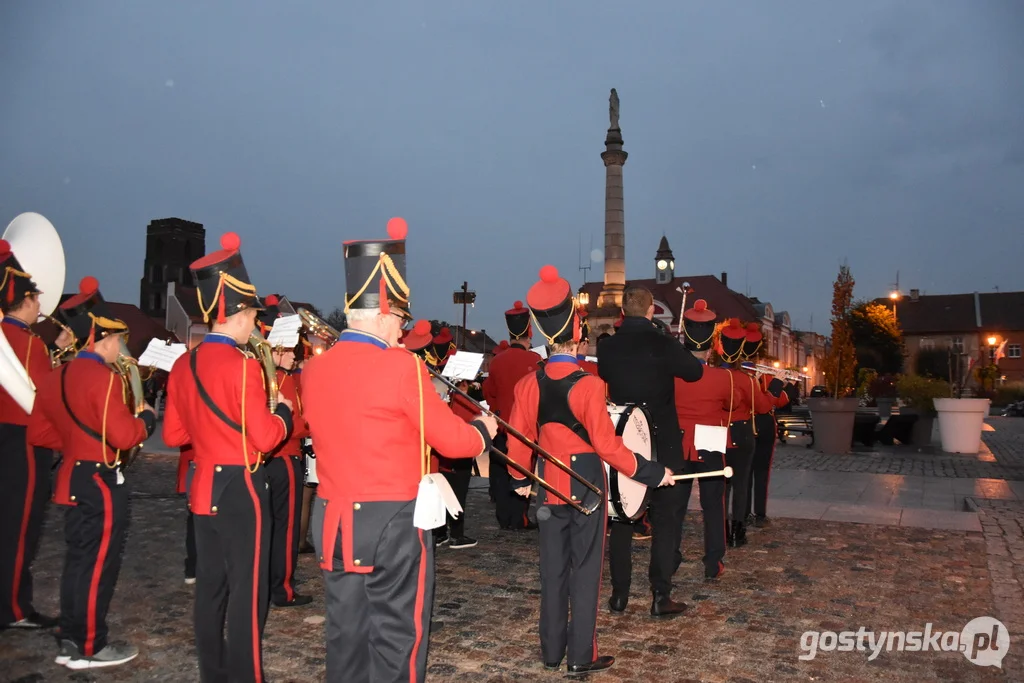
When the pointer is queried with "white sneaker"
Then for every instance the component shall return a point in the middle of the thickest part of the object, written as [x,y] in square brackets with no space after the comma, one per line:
[111,655]
[68,651]
[190,580]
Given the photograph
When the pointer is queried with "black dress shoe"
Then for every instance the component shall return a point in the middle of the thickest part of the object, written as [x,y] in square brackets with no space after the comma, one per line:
[553,666]
[617,603]
[712,573]
[738,535]
[664,606]
[761,521]
[296,601]
[599,664]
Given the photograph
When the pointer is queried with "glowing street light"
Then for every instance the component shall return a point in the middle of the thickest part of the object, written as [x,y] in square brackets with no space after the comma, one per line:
[992,341]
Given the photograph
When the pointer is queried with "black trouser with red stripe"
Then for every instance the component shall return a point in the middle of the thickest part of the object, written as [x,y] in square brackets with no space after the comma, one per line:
[285,474]
[24,492]
[712,503]
[458,472]
[378,623]
[509,506]
[764,452]
[94,531]
[232,553]
[740,458]
[571,560]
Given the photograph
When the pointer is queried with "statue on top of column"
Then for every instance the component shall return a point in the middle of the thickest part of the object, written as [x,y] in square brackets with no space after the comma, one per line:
[613,109]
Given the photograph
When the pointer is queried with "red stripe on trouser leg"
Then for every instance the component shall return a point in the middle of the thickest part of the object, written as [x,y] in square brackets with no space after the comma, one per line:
[97,570]
[289,557]
[19,558]
[257,669]
[420,585]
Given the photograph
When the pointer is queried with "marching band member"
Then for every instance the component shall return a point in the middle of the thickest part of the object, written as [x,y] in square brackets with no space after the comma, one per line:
[186,468]
[564,407]
[218,403]
[742,430]
[80,409]
[505,370]
[767,431]
[639,365]
[285,473]
[378,568]
[25,478]
[708,401]
[458,471]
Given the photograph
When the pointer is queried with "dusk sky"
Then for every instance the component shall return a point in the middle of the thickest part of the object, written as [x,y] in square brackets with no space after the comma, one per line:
[770,140]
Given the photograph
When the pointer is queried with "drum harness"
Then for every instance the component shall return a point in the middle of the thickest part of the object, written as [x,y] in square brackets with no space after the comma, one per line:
[553,404]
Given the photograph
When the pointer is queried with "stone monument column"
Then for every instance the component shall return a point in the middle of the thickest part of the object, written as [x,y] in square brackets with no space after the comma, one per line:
[614,158]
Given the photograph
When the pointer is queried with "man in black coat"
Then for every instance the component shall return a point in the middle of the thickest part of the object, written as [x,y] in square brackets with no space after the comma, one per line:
[639,364]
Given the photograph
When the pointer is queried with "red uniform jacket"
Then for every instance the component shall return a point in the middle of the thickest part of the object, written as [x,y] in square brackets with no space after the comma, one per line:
[32,353]
[221,366]
[186,456]
[364,402]
[505,370]
[780,401]
[705,402]
[588,366]
[96,396]
[462,409]
[750,399]
[586,400]
[288,383]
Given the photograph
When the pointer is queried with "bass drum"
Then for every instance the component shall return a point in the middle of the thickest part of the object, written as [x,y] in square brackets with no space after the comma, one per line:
[310,460]
[628,499]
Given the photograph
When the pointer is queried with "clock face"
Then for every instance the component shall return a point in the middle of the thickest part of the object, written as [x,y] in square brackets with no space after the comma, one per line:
[672,265]
[662,264]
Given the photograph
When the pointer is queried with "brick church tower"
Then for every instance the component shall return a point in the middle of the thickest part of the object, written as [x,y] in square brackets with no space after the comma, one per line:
[171,245]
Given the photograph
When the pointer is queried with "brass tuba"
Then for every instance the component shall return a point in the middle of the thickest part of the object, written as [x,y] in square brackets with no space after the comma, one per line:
[39,250]
[318,327]
[261,350]
[65,354]
[135,396]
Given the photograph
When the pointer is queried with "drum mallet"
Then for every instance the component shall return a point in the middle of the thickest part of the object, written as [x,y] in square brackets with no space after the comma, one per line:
[727,472]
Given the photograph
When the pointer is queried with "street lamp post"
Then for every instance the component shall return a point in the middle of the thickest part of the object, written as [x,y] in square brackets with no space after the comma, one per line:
[895,296]
[463,297]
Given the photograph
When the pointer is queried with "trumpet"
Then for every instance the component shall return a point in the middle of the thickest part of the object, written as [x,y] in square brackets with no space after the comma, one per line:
[784,375]
[63,354]
[260,349]
[324,331]
[135,396]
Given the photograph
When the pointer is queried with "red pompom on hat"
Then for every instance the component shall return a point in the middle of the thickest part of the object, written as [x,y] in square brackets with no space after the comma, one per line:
[88,285]
[271,300]
[734,329]
[5,247]
[700,313]
[230,241]
[397,228]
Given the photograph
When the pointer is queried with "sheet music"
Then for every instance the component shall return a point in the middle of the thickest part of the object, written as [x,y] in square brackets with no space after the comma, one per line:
[285,332]
[463,365]
[714,439]
[160,354]
[541,351]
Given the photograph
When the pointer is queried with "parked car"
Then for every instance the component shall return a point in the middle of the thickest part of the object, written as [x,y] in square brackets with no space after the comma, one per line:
[819,391]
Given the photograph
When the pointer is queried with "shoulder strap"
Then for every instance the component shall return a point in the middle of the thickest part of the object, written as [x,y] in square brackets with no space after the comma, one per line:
[553,402]
[74,418]
[206,397]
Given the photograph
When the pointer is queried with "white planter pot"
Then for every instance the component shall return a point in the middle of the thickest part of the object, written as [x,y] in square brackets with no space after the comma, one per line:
[960,423]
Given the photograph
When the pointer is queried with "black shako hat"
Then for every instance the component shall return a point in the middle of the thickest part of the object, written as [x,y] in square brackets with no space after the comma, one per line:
[699,326]
[88,316]
[375,273]
[16,283]
[222,282]
[553,307]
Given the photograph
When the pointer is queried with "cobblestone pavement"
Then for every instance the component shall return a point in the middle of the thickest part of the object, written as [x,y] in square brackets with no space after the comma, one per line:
[1001,457]
[794,576]
[1002,522]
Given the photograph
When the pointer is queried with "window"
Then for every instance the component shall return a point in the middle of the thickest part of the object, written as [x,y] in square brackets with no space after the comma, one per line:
[958,345]
[926,343]
[1013,350]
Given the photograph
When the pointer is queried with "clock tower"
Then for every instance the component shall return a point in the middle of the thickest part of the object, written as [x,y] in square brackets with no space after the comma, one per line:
[664,263]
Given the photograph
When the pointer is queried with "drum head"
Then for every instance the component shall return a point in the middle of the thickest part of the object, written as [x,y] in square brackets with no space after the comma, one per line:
[630,497]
